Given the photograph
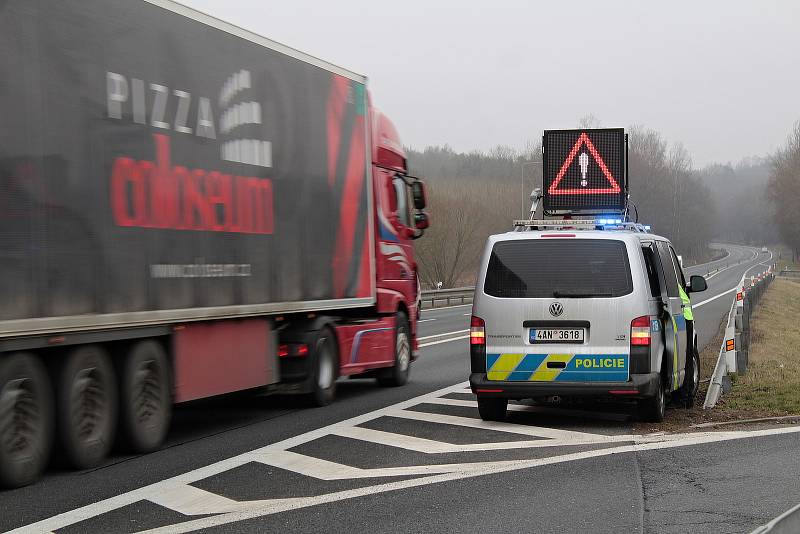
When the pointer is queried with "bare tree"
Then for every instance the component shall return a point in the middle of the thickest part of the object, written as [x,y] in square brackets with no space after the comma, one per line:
[589,121]
[784,191]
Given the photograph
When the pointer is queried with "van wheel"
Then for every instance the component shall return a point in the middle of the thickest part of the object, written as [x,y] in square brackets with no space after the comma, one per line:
[325,369]
[145,397]
[26,419]
[86,401]
[397,375]
[691,383]
[492,408]
[652,410]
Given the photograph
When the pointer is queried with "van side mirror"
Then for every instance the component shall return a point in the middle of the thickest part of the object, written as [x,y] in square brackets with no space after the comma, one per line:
[418,192]
[697,284]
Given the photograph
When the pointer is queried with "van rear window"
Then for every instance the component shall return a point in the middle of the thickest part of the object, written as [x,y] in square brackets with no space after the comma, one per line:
[558,268]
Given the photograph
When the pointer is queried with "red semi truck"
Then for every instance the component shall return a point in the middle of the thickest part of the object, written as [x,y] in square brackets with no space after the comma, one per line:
[187,209]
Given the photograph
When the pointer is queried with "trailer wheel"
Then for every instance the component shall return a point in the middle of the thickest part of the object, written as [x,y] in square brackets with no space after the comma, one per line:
[145,406]
[397,375]
[26,419]
[86,406]
[325,369]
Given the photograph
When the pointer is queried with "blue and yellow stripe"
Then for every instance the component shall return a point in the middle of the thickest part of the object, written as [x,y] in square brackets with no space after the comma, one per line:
[518,367]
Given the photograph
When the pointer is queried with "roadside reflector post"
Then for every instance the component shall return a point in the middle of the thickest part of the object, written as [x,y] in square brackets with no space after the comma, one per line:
[730,349]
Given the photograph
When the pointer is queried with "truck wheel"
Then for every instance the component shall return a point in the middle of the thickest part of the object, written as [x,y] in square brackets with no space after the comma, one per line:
[145,404]
[325,369]
[86,401]
[492,408]
[652,410]
[397,375]
[26,419]
[691,383]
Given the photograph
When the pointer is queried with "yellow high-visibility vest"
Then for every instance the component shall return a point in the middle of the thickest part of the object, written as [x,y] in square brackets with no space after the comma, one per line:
[687,304]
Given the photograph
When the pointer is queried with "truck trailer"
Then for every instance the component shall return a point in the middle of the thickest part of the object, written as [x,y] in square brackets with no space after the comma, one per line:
[187,209]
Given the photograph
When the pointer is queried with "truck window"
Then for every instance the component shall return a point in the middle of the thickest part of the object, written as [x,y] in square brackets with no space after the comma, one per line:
[558,268]
[669,269]
[401,192]
[652,273]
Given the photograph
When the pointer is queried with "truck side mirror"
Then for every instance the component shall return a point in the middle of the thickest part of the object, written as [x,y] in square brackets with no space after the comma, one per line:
[418,192]
[421,221]
[697,284]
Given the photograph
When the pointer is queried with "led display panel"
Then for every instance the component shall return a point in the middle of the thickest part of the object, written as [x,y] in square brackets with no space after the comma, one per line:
[584,170]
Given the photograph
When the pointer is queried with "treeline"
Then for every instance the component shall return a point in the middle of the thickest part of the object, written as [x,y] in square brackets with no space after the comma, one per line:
[744,213]
[784,191]
[476,194]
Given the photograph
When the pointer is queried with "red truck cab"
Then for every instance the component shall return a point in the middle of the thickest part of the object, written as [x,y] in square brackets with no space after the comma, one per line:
[377,342]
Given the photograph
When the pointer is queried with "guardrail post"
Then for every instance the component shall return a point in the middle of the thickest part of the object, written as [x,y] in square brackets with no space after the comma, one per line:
[741,355]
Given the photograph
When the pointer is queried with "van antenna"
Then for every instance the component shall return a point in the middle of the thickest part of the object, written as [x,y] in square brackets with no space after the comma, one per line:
[536,197]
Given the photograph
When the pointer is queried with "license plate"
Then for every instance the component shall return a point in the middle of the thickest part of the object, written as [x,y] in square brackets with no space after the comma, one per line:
[556,335]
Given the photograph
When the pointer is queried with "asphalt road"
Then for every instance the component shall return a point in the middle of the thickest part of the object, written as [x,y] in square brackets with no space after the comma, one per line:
[418,459]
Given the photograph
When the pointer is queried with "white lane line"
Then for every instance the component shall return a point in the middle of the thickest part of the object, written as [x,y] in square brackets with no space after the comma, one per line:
[442,341]
[736,287]
[491,468]
[425,320]
[457,332]
[790,520]
[430,446]
[171,490]
[431,310]
[327,470]
[189,500]
[703,303]
[556,410]
[722,271]
[536,431]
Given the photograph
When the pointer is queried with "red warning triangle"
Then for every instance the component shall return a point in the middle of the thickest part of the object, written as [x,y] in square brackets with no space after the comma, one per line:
[584,139]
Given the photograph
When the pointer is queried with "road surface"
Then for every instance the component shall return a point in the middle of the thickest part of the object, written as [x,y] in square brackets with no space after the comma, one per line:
[418,459]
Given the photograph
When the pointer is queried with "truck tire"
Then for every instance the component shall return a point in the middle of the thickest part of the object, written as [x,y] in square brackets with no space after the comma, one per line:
[492,408]
[653,409]
[145,406]
[397,375]
[86,401]
[324,369]
[26,419]
[691,383]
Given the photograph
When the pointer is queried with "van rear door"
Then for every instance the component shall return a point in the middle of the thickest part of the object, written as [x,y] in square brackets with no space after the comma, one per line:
[558,309]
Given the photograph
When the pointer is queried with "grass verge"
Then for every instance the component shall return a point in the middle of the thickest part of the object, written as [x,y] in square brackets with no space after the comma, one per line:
[772,382]
[767,389]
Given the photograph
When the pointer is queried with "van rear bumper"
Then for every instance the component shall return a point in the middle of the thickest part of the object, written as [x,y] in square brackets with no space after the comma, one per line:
[639,386]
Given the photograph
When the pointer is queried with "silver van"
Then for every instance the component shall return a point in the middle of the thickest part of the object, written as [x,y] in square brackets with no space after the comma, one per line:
[582,310]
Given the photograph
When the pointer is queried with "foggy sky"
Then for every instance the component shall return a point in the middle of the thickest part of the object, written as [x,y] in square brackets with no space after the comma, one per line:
[723,78]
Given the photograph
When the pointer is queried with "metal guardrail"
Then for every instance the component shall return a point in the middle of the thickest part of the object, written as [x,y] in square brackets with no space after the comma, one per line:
[735,350]
[789,273]
[445,297]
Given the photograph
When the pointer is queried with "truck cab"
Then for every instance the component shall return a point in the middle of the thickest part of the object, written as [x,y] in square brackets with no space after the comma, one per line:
[399,220]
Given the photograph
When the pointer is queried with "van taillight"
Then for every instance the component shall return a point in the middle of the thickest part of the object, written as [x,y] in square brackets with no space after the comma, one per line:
[477,345]
[640,331]
[477,331]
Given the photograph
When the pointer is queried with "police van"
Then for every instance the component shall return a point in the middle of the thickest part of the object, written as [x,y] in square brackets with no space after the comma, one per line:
[582,308]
